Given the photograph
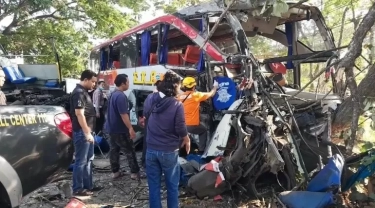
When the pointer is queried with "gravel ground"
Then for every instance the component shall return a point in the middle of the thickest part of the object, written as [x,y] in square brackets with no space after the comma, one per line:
[119,193]
[130,193]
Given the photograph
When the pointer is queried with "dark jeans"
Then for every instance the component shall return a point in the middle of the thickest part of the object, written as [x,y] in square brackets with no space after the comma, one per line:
[202,132]
[125,144]
[84,155]
[158,162]
[100,121]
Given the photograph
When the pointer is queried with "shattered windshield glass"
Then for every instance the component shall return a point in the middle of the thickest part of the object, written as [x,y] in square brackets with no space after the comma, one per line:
[264,48]
[308,34]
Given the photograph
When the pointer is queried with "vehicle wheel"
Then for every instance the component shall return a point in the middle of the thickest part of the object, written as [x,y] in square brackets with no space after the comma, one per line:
[4,198]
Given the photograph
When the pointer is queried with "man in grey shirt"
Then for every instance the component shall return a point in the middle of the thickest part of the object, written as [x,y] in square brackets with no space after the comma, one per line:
[3,99]
[98,101]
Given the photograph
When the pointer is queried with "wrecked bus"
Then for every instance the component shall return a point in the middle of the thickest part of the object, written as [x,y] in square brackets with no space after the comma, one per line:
[258,133]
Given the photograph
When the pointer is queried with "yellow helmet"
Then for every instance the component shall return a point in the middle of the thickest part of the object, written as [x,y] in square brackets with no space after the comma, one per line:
[189,82]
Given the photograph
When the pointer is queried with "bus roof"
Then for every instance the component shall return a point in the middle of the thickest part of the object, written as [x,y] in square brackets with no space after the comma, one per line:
[173,20]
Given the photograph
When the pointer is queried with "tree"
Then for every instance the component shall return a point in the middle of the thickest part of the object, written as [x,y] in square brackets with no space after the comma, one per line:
[175,5]
[349,111]
[72,23]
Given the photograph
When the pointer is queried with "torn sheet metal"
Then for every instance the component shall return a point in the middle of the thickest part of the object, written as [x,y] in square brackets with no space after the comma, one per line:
[221,135]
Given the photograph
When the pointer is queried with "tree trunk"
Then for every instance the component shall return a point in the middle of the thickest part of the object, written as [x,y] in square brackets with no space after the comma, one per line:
[348,113]
[366,88]
[339,76]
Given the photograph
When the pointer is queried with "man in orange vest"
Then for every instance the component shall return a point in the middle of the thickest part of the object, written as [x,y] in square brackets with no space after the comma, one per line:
[191,100]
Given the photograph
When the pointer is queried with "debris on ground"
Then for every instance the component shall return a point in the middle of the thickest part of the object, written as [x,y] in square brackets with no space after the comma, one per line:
[116,193]
[128,193]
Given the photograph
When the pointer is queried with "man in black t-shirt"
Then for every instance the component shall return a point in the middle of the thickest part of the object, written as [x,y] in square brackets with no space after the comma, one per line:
[83,120]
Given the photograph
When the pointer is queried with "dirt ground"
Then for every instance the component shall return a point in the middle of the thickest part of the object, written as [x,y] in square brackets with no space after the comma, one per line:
[129,193]
[119,193]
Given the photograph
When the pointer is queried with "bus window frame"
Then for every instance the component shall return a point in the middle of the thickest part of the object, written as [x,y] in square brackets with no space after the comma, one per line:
[184,27]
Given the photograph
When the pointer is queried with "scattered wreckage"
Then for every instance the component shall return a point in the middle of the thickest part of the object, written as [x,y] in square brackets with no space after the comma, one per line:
[262,131]
[255,136]
[264,128]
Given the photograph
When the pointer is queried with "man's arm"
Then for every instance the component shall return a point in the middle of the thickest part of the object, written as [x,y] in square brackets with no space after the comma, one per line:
[203,96]
[122,106]
[79,109]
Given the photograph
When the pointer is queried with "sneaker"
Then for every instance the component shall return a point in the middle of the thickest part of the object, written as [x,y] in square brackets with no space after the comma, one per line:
[83,193]
[138,176]
[96,188]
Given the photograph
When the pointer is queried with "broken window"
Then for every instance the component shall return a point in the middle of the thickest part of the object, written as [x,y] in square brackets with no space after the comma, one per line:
[224,39]
[321,85]
[308,34]
[264,48]
[126,53]
[94,63]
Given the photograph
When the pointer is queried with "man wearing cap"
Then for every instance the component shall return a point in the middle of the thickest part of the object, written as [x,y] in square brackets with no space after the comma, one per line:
[191,100]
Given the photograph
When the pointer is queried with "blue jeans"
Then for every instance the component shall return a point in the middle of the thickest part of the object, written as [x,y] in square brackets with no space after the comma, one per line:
[158,162]
[84,155]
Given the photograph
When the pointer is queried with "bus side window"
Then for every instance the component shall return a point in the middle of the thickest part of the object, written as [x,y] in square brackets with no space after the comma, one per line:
[148,44]
[128,52]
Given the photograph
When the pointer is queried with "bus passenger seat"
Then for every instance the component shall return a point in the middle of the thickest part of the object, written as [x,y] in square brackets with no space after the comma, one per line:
[153,58]
[174,59]
[116,64]
[278,68]
[192,54]
[233,66]
[16,75]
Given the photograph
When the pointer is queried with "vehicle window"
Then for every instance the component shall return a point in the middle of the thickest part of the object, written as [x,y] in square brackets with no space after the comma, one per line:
[308,34]
[264,48]
[94,64]
[176,48]
[148,44]
[223,37]
[127,53]
[321,85]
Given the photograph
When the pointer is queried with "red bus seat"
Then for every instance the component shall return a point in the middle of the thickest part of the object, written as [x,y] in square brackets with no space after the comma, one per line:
[192,54]
[153,58]
[278,68]
[175,59]
[116,64]
[233,66]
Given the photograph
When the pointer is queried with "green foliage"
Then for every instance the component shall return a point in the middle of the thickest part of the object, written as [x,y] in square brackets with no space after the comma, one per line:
[368,159]
[175,5]
[279,7]
[72,23]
